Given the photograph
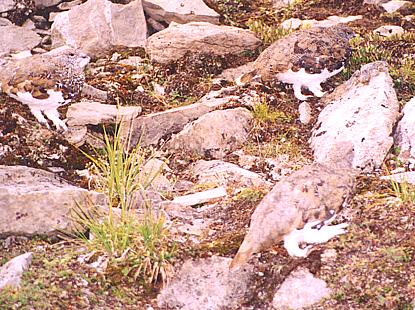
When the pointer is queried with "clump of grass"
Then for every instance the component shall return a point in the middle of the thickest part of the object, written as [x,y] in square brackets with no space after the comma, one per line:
[252,195]
[403,190]
[127,243]
[267,33]
[263,113]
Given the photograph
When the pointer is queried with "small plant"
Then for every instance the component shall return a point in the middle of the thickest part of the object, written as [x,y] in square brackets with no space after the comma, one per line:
[267,33]
[125,242]
[252,195]
[403,190]
[263,114]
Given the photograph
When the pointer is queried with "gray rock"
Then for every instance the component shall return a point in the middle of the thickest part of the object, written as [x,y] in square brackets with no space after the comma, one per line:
[174,42]
[305,112]
[98,25]
[299,290]
[206,284]
[181,12]
[223,173]
[375,2]
[11,272]
[360,114]
[69,5]
[36,202]
[278,4]
[395,5]
[389,30]
[200,197]
[402,177]
[214,134]
[46,3]
[95,113]
[405,131]
[16,39]
[5,22]
[6,5]
[152,128]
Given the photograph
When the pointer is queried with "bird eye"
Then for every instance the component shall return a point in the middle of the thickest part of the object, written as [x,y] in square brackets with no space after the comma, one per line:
[71,54]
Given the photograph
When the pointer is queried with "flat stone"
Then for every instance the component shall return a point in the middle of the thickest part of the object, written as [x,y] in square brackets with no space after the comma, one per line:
[301,289]
[182,12]
[11,272]
[201,197]
[95,113]
[206,284]
[402,177]
[15,39]
[359,115]
[304,110]
[69,5]
[46,3]
[223,173]
[37,202]
[150,129]
[199,37]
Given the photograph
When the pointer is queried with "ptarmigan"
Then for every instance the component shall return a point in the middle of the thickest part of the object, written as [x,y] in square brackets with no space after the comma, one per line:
[304,58]
[298,209]
[45,81]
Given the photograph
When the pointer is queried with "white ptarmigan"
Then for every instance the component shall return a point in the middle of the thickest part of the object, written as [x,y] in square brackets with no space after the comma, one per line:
[304,58]
[45,81]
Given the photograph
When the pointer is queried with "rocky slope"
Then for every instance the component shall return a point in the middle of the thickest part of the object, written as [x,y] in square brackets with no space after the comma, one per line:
[165,72]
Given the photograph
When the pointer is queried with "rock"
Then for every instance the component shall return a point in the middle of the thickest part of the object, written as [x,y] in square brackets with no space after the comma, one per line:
[152,128]
[46,3]
[402,177]
[201,197]
[313,193]
[5,22]
[206,284]
[98,25]
[278,4]
[301,289]
[178,39]
[94,93]
[11,272]
[182,12]
[16,39]
[375,2]
[305,112]
[405,131]
[152,172]
[95,113]
[6,5]
[295,23]
[359,113]
[214,134]
[69,5]
[223,173]
[36,202]
[394,5]
[389,30]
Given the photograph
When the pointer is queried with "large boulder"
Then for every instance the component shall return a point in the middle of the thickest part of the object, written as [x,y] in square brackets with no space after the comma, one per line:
[359,114]
[6,5]
[98,25]
[181,12]
[214,134]
[174,42]
[16,39]
[36,202]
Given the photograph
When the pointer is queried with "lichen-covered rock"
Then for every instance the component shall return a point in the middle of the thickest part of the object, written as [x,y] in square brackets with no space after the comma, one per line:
[359,113]
[199,37]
